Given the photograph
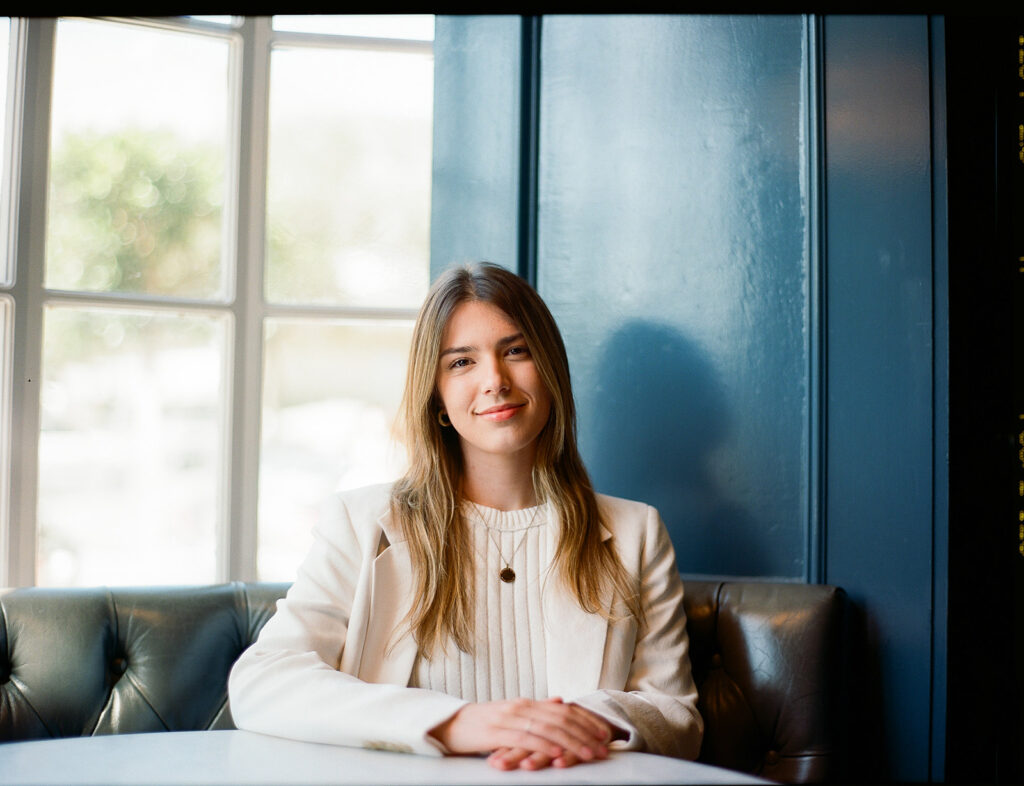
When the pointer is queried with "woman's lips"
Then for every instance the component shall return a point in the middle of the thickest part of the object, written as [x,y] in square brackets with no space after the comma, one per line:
[500,412]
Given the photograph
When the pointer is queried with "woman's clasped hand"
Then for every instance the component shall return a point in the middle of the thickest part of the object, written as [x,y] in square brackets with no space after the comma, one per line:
[527,734]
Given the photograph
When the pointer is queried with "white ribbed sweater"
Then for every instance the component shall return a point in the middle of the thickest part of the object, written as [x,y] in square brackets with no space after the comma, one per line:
[509,657]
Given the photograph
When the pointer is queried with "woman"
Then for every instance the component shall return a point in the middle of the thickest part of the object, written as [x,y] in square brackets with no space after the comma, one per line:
[489,601]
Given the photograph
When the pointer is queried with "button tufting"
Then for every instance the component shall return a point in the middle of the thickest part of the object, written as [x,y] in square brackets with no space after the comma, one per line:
[771,757]
[716,661]
[119,666]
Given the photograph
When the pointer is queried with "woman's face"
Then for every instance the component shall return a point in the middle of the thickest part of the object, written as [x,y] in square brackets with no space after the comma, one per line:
[489,385]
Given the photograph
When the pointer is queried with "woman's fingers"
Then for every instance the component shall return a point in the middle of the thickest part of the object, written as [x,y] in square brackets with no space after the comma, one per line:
[507,758]
[569,726]
[565,760]
[566,736]
[520,758]
[597,725]
[487,726]
[546,730]
[535,761]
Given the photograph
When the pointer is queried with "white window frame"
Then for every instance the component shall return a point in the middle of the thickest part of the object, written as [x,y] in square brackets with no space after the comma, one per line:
[252,39]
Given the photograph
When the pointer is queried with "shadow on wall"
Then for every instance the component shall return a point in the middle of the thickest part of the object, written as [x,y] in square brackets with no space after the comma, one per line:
[654,424]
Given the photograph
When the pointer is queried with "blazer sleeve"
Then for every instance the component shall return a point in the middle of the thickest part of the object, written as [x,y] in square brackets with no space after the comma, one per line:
[657,708]
[288,683]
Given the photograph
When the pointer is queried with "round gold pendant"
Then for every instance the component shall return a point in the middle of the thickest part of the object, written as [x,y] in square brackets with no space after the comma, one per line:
[507,575]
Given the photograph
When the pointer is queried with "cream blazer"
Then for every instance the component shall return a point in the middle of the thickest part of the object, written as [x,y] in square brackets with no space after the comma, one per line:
[332,666]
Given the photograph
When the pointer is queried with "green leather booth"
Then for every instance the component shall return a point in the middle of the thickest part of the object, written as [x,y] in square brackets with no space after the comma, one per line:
[766,657]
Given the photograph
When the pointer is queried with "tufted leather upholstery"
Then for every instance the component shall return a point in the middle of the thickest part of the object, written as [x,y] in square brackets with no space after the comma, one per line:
[766,659]
[100,661]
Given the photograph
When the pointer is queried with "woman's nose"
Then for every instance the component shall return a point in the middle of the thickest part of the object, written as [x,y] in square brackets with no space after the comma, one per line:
[496,378]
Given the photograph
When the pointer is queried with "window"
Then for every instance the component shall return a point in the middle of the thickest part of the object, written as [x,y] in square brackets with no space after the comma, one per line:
[207,325]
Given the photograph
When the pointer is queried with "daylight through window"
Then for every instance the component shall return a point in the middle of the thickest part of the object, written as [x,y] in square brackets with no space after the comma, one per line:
[206,324]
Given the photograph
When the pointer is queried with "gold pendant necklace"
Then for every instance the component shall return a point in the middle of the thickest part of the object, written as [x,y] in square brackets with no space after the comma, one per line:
[506,574]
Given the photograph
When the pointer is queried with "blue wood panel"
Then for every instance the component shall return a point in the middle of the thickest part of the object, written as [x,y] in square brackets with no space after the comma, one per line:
[475,199]
[673,250]
[880,367]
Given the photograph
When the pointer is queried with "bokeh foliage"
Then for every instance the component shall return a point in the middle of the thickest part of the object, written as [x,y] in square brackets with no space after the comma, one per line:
[135,211]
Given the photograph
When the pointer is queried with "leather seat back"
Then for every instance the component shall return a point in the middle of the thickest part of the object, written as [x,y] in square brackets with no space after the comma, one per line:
[100,661]
[766,659]
[73,662]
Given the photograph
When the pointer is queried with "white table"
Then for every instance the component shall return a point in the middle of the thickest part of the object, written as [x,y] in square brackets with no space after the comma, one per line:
[239,758]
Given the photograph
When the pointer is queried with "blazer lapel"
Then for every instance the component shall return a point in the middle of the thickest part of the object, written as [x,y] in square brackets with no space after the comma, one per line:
[389,650]
[575,639]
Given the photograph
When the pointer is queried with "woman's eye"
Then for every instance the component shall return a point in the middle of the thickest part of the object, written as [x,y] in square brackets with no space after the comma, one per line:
[459,363]
[518,350]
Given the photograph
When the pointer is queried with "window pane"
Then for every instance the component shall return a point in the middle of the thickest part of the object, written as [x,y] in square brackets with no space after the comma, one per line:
[330,394]
[137,162]
[348,196]
[131,448]
[6,186]
[417,27]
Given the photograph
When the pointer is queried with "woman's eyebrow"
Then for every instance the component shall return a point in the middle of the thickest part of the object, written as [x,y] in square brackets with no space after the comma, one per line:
[457,350]
[509,339]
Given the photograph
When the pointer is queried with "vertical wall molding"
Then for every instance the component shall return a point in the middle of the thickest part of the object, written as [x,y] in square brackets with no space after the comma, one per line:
[529,135]
[882,377]
[940,399]
[817,305]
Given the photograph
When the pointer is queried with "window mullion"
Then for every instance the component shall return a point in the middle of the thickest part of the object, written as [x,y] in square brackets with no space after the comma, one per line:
[334,41]
[370,314]
[20,546]
[238,559]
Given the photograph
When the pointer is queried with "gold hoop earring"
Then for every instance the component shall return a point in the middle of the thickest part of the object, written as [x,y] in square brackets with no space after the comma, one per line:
[442,418]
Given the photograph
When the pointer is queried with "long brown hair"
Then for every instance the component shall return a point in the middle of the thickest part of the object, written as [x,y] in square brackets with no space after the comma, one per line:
[425,501]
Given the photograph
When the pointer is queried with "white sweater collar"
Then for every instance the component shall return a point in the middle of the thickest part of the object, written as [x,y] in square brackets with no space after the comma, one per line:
[508,520]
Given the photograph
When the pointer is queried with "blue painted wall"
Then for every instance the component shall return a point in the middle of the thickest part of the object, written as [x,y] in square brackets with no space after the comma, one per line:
[672,250]
[475,199]
[733,224]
